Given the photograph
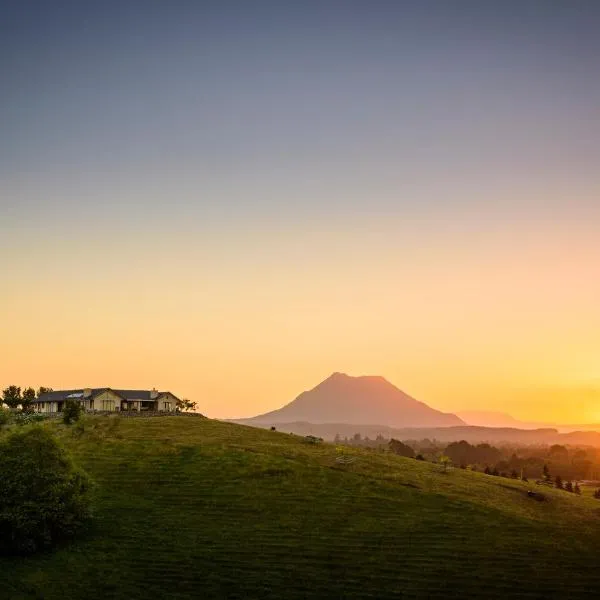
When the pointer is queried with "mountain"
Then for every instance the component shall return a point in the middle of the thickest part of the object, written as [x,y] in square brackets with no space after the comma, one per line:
[357,400]
[489,418]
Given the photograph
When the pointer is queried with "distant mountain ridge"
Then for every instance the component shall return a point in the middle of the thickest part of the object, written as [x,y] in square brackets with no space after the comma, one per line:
[489,418]
[360,400]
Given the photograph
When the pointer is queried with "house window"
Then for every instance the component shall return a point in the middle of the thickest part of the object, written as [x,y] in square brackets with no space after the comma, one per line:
[108,405]
[167,406]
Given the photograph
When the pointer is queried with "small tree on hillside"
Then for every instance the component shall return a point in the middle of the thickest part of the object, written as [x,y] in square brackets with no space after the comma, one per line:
[27,399]
[43,498]
[400,448]
[569,486]
[71,411]
[487,470]
[558,482]
[185,405]
[11,396]
[546,473]
[445,462]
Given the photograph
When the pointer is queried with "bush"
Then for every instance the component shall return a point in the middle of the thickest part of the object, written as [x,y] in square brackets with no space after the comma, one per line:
[71,411]
[312,439]
[27,418]
[43,498]
[4,416]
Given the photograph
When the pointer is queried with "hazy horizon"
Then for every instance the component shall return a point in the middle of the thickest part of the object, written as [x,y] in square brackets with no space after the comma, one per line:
[232,201]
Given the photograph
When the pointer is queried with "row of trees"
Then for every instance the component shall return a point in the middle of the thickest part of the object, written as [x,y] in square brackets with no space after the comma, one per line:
[523,462]
[14,397]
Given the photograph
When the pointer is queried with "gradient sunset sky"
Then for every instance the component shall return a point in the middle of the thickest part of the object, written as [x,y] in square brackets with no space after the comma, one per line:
[232,200]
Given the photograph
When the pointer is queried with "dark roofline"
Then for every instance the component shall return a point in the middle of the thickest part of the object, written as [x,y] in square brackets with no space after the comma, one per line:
[61,395]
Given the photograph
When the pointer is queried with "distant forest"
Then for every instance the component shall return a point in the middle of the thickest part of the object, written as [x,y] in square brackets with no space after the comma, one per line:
[531,462]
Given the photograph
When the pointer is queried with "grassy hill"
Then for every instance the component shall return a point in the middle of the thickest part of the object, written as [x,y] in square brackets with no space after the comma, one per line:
[195,508]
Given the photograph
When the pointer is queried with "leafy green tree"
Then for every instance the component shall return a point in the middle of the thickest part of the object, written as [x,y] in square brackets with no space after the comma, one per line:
[569,486]
[445,461]
[43,497]
[546,472]
[44,390]
[27,399]
[5,416]
[558,482]
[71,411]
[401,449]
[11,396]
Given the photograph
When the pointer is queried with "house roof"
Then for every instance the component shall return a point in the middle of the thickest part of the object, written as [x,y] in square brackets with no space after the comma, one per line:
[61,395]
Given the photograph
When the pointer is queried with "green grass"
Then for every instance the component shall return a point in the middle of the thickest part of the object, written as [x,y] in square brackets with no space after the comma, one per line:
[195,508]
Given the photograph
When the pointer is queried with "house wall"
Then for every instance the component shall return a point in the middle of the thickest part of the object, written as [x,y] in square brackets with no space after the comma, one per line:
[166,402]
[107,400]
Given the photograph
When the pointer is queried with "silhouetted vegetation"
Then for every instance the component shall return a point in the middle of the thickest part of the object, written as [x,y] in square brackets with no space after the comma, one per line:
[72,410]
[43,498]
[185,405]
[401,449]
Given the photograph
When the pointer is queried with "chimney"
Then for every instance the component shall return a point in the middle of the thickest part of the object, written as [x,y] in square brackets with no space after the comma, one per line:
[87,392]
[153,394]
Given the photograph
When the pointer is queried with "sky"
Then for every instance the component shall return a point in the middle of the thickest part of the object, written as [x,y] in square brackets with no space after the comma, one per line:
[232,200]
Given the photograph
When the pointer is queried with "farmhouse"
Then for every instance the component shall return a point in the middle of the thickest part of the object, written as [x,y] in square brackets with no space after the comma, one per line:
[107,399]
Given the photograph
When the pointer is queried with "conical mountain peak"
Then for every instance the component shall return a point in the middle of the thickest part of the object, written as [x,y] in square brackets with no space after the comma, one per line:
[363,400]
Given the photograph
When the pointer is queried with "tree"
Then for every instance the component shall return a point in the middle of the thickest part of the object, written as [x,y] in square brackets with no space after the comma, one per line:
[487,470]
[400,448]
[11,396]
[27,399]
[44,390]
[445,461]
[546,472]
[558,482]
[185,405]
[576,488]
[569,486]
[71,411]
[43,497]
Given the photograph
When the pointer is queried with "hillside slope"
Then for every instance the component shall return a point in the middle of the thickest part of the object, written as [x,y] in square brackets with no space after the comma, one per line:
[367,400]
[191,508]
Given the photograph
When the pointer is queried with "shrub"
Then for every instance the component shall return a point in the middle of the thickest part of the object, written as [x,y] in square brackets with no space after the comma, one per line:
[27,418]
[312,439]
[71,411]
[401,449]
[43,498]
[5,416]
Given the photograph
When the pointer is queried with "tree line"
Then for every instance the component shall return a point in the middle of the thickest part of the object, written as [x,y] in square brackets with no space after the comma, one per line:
[14,397]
